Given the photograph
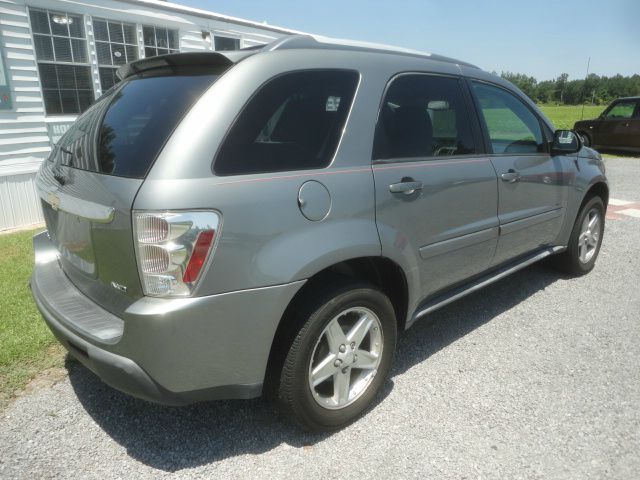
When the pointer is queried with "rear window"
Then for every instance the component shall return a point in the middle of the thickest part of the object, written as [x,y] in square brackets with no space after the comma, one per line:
[294,122]
[124,131]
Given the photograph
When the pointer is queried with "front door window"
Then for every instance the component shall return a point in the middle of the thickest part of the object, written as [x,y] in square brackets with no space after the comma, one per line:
[621,110]
[511,126]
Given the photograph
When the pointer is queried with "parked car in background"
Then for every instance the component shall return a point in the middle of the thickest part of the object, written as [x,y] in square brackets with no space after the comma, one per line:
[617,128]
[267,221]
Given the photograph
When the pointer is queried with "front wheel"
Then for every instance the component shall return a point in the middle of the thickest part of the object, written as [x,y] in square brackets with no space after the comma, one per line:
[340,359]
[586,139]
[585,241]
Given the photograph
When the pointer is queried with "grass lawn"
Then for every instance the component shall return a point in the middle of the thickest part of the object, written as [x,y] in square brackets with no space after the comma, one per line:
[504,124]
[564,116]
[26,344]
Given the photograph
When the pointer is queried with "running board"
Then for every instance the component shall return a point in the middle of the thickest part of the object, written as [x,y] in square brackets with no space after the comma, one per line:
[455,294]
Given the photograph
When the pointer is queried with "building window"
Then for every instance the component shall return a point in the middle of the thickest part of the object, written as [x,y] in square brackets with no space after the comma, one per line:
[159,41]
[223,44]
[115,45]
[63,63]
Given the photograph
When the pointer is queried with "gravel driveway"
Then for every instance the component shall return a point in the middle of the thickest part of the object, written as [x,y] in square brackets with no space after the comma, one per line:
[537,376]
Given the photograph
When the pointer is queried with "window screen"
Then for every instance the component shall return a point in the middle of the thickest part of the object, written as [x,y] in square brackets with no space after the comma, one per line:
[226,43]
[63,64]
[159,41]
[511,126]
[423,116]
[115,45]
[294,122]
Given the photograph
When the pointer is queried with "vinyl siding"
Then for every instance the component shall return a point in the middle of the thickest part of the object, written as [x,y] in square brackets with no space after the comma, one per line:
[27,133]
[20,205]
[23,132]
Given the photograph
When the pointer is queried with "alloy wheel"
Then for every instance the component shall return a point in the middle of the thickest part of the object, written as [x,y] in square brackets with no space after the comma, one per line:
[589,237]
[346,358]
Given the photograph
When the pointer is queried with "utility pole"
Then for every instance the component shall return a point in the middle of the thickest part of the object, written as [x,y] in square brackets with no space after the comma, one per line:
[585,88]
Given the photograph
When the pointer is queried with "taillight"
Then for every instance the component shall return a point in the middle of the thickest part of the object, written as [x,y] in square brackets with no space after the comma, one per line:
[173,249]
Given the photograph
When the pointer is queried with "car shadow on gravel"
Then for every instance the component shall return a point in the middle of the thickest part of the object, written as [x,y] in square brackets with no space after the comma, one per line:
[175,438]
[620,153]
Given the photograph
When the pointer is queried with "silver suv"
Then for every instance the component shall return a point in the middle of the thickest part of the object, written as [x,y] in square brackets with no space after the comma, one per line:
[227,225]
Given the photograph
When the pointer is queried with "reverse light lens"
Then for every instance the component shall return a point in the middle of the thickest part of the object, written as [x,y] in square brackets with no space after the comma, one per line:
[173,249]
[155,259]
[151,228]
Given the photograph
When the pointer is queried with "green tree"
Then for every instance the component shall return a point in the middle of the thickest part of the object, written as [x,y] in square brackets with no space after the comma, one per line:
[523,82]
[594,89]
[561,85]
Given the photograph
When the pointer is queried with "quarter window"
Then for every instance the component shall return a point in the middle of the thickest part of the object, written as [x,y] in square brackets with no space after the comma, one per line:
[115,45]
[511,126]
[294,122]
[423,116]
[159,41]
[63,64]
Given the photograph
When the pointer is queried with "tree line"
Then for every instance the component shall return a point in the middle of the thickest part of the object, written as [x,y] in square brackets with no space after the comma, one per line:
[594,89]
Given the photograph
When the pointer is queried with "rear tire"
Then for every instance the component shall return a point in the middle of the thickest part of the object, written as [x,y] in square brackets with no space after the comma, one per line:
[340,358]
[586,238]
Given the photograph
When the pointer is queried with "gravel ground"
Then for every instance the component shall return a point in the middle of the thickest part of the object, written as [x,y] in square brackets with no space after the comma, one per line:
[535,377]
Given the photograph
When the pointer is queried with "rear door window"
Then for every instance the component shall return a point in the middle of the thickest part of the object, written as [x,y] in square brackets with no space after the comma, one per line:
[423,116]
[125,130]
[294,122]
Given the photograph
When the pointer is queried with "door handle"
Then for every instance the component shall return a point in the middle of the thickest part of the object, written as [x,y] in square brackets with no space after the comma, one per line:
[511,176]
[407,185]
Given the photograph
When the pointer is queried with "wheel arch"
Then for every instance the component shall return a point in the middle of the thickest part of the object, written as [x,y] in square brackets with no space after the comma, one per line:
[381,272]
[600,189]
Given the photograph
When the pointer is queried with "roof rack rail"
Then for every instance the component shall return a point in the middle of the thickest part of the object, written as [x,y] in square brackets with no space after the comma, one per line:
[318,42]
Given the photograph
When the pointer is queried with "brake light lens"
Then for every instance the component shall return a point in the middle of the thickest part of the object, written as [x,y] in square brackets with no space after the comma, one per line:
[173,249]
[199,255]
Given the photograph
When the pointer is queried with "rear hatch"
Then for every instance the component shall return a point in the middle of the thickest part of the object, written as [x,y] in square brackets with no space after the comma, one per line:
[89,182]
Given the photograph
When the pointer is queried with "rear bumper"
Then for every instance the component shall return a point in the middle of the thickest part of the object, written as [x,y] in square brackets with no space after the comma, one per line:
[169,351]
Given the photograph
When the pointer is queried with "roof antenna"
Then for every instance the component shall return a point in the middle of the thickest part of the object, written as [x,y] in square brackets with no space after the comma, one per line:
[585,88]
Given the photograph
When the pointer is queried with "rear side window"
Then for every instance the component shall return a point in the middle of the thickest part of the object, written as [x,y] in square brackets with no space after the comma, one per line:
[123,132]
[294,122]
[511,126]
[423,116]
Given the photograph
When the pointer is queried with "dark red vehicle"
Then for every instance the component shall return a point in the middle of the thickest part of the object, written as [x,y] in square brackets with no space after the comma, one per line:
[617,128]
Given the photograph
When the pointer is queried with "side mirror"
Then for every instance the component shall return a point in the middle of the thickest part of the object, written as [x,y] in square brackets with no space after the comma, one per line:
[565,142]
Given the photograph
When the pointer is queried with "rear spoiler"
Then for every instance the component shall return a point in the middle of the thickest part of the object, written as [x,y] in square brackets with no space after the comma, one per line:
[176,61]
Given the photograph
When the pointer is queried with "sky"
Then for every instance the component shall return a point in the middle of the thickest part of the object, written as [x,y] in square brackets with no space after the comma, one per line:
[542,38]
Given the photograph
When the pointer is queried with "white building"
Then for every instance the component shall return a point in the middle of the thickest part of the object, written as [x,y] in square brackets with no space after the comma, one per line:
[58,56]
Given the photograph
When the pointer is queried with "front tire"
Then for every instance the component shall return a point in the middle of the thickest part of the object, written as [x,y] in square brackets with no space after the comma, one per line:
[339,359]
[586,139]
[585,241]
